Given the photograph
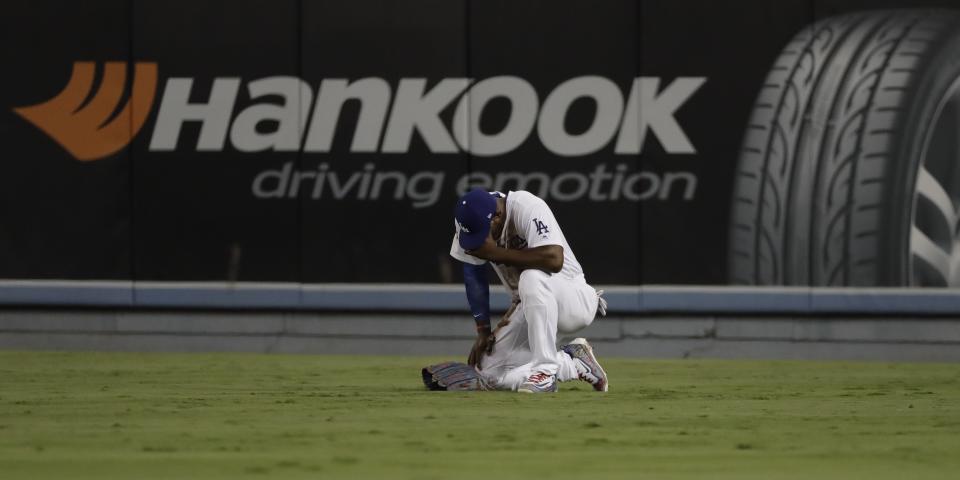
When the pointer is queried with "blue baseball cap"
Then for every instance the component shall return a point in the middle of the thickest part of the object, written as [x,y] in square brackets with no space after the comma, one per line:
[473,215]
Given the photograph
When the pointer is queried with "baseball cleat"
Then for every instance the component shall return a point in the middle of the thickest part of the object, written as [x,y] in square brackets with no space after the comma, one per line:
[539,382]
[587,365]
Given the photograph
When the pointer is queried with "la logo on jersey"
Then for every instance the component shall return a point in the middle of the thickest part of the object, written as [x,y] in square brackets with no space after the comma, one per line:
[541,227]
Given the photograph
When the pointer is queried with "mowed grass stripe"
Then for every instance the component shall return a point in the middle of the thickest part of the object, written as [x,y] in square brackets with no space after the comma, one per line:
[125,415]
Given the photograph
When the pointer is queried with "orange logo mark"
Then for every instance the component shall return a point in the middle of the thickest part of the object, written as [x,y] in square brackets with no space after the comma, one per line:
[86,130]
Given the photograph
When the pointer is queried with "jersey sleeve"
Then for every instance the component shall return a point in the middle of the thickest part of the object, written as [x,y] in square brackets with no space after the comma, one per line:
[456,251]
[541,227]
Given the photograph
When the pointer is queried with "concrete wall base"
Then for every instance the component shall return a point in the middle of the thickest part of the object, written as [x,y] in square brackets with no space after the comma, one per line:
[692,336]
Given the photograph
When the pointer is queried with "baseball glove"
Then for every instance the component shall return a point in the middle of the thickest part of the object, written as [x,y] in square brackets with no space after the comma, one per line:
[453,376]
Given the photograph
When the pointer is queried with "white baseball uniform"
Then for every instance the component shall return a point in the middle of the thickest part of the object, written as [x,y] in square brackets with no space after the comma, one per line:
[549,302]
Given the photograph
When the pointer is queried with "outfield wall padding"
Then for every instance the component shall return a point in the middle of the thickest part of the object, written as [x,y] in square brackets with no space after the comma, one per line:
[692,335]
[650,299]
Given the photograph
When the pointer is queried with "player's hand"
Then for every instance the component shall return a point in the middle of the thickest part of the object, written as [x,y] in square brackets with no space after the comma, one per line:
[483,345]
[486,250]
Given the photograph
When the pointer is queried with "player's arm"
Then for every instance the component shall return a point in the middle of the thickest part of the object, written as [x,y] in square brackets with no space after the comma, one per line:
[545,257]
[478,295]
[544,240]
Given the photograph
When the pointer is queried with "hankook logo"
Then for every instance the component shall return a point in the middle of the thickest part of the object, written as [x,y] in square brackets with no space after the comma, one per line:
[307,119]
[88,129]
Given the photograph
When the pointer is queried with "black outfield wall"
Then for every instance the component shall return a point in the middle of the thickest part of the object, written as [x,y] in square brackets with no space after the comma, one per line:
[678,142]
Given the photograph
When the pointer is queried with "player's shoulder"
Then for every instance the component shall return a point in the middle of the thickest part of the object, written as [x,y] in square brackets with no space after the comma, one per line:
[523,197]
[525,201]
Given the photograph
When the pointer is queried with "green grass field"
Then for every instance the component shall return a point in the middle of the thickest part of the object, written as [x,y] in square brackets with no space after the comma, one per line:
[144,416]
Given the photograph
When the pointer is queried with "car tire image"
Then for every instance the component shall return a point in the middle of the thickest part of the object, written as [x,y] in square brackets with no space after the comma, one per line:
[849,174]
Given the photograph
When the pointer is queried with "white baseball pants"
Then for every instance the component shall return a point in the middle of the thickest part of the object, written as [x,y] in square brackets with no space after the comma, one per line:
[528,344]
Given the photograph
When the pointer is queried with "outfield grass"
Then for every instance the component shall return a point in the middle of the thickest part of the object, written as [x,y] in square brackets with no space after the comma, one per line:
[143,416]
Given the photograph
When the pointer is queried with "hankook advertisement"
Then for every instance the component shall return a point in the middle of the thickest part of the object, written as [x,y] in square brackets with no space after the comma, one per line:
[677,142]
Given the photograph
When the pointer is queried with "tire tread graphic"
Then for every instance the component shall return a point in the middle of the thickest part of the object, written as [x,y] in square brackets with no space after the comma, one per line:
[814,183]
[840,155]
[878,60]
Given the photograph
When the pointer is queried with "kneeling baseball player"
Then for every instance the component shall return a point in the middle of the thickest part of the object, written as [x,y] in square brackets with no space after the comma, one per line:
[519,236]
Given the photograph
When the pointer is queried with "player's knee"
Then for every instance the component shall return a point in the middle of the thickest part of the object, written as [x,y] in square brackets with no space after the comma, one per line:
[532,281]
